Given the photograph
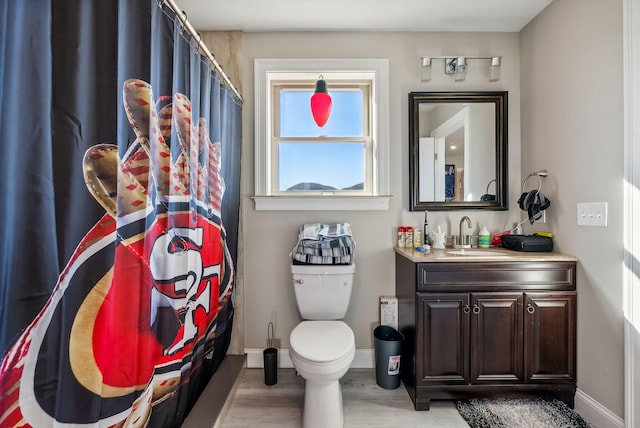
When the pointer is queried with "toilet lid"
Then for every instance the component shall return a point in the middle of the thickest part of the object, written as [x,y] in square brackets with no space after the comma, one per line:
[322,340]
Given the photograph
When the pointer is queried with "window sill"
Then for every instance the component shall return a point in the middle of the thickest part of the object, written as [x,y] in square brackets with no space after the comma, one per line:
[321,203]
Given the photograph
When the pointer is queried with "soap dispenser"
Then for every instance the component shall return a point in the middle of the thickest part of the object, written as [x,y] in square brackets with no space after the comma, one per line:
[484,239]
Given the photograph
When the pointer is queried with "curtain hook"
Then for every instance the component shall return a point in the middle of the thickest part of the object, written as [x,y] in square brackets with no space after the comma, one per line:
[183,23]
[198,44]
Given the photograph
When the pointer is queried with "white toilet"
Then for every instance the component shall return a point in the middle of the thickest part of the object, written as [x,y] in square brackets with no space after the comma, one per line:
[322,347]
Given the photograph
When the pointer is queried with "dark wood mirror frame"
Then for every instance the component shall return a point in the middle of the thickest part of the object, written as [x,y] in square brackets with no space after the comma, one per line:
[499,100]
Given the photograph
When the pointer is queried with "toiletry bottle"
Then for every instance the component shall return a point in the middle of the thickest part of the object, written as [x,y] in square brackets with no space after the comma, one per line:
[401,237]
[417,236]
[408,237]
[484,240]
[425,230]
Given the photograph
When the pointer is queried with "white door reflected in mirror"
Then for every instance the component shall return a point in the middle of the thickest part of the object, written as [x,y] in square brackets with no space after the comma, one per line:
[456,151]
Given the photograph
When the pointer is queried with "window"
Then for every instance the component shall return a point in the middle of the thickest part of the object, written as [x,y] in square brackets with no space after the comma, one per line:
[300,166]
[311,160]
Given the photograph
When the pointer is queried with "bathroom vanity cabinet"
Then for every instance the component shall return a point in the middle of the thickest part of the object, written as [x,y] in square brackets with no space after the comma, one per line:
[485,327]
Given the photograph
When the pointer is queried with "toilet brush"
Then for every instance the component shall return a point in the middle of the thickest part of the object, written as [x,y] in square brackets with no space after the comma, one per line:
[270,356]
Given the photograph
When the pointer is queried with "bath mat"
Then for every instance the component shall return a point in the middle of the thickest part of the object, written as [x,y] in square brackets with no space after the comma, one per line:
[519,413]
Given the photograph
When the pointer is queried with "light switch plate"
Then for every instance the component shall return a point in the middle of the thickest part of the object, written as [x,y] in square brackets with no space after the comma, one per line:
[592,214]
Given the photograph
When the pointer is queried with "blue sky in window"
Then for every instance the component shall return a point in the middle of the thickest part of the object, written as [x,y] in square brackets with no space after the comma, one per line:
[296,119]
[336,165]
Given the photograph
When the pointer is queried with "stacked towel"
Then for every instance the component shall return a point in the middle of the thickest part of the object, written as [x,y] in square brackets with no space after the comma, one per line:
[324,244]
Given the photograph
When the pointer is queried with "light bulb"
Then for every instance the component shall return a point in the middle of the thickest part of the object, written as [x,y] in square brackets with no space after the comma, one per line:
[425,70]
[321,103]
[494,69]
[461,69]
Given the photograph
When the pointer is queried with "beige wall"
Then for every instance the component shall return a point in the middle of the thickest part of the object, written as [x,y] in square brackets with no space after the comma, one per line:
[227,49]
[565,85]
[572,125]
[269,236]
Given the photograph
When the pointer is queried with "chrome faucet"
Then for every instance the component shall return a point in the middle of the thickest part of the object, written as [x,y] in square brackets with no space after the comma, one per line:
[461,236]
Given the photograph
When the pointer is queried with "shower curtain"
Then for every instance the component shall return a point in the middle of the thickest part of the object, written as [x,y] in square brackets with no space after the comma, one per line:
[119,199]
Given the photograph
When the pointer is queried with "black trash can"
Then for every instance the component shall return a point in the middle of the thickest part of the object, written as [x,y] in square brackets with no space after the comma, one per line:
[387,349]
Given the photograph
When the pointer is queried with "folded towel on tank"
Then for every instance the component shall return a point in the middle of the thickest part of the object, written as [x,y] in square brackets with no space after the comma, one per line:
[318,260]
[324,244]
[318,231]
[341,243]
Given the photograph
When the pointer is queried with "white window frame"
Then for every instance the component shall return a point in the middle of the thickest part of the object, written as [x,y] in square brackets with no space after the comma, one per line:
[265,198]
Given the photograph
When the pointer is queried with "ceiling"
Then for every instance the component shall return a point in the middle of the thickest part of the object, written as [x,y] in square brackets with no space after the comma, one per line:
[361,15]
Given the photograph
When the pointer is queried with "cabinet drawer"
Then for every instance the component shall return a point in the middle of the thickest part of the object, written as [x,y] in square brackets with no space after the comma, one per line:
[496,276]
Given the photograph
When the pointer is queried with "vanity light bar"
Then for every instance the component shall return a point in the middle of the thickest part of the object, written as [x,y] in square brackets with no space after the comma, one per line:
[457,64]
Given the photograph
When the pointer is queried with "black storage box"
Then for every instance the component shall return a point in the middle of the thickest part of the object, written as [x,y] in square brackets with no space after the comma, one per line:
[532,243]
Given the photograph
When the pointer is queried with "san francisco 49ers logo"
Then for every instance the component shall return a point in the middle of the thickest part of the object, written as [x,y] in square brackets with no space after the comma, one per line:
[186,284]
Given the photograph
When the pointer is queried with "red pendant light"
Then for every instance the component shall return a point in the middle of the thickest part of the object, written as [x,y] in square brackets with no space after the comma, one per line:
[321,103]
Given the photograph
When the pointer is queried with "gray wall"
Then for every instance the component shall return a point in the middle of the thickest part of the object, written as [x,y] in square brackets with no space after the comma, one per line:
[572,125]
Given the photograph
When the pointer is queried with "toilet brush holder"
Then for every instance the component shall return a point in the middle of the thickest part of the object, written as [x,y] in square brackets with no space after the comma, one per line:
[270,357]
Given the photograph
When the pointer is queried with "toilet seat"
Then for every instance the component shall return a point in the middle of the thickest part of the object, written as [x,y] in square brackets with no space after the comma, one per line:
[322,341]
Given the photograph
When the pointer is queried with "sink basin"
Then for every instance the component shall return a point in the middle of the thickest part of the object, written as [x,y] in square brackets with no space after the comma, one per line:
[477,253]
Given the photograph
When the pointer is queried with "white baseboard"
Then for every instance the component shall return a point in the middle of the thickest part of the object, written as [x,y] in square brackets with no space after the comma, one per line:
[595,413]
[364,359]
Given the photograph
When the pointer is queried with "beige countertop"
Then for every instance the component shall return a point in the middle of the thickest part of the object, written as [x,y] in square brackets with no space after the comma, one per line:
[439,256]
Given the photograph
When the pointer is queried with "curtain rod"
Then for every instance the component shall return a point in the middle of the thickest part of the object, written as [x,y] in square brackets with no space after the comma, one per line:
[196,36]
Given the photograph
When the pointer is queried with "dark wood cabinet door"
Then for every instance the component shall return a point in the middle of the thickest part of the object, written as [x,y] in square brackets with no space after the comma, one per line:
[550,337]
[442,354]
[496,338]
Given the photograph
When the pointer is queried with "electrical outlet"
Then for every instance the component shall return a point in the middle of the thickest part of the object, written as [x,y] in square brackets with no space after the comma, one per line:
[592,214]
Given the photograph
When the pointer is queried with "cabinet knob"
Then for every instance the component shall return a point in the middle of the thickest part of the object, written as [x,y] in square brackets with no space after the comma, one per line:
[466,309]
[476,309]
[530,308]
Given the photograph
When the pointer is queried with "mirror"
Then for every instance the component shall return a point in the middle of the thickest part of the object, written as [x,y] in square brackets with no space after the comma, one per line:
[458,150]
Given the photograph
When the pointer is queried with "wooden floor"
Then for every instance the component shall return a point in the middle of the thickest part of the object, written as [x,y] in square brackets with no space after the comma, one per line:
[253,404]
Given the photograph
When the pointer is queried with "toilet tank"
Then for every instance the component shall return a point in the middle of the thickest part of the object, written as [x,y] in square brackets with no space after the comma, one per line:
[322,291]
